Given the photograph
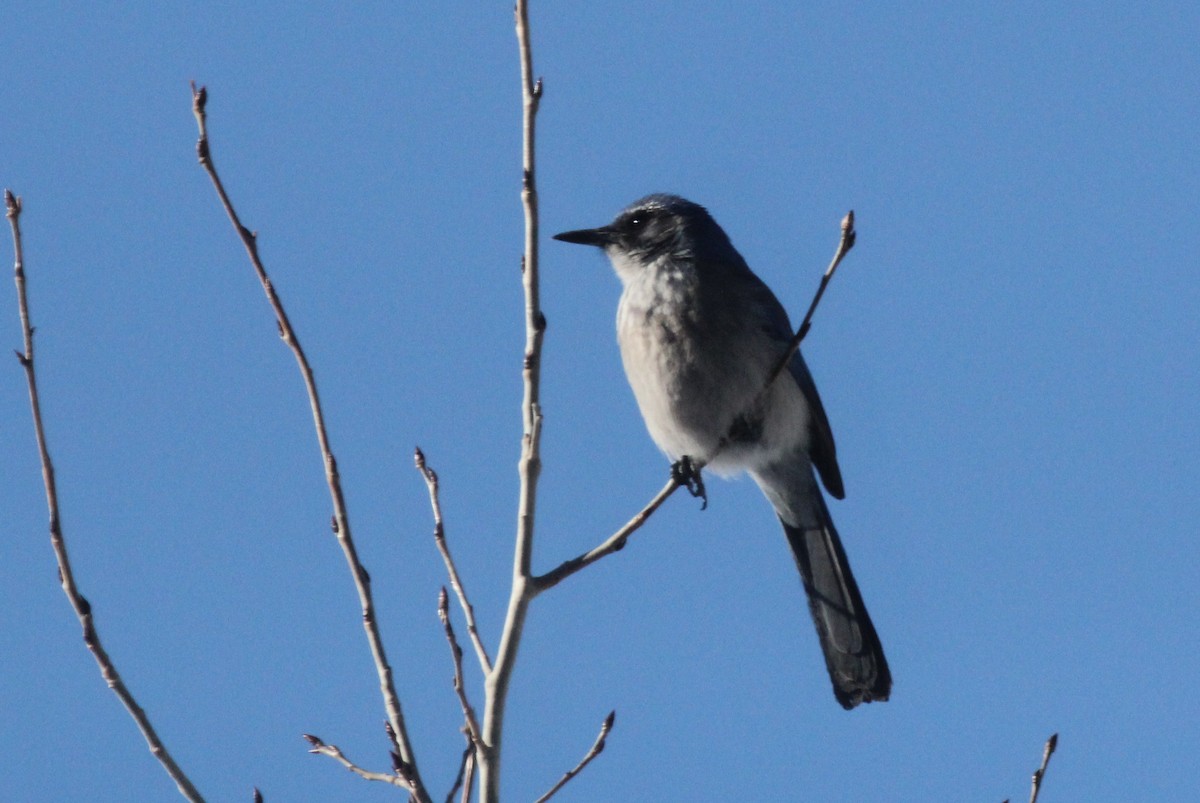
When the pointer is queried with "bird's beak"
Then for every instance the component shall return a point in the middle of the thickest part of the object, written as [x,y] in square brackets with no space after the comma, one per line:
[598,237]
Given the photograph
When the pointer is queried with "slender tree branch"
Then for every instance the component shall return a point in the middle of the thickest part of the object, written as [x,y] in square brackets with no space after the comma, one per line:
[468,758]
[439,538]
[849,235]
[1051,746]
[83,609]
[614,543]
[456,654]
[530,463]
[333,751]
[341,519]
[597,749]
[469,776]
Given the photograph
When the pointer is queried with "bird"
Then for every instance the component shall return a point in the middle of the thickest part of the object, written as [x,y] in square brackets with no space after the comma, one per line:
[700,335]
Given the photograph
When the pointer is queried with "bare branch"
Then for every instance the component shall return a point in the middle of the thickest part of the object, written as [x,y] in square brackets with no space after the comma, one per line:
[439,538]
[333,751]
[83,609]
[597,749]
[468,757]
[849,235]
[456,653]
[469,776]
[1051,745]
[614,543]
[341,518]
[530,464]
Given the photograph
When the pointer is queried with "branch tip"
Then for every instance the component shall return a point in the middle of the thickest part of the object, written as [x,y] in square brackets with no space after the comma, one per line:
[199,97]
[1040,772]
[439,538]
[596,749]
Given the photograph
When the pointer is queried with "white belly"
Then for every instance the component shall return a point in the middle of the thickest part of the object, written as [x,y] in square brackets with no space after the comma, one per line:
[696,388]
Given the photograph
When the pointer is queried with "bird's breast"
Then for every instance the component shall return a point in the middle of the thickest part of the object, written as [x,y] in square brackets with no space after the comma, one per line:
[698,380]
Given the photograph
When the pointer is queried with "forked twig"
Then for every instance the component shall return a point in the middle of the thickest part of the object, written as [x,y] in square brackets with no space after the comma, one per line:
[456,653]
[333,751]
[597,749]
[469,765]
[83,609]
[439,538]
[341,519]
[464,774]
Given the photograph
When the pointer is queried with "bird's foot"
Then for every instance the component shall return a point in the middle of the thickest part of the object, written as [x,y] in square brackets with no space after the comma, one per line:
[687,473]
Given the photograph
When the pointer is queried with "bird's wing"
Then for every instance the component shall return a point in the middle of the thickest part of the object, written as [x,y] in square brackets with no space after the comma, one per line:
[820,437]
[820,441]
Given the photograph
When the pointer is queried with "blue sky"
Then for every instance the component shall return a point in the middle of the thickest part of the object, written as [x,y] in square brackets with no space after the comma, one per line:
[1009,359]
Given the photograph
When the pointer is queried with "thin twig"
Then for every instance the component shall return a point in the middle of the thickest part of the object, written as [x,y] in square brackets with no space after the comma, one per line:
[456,653]
[469,776]
[844,245]
[333,751]
[530,464]
[614,543]
[83,609]
[467,755]
[1051,745]
[439,538]
[597,749]
[341,519]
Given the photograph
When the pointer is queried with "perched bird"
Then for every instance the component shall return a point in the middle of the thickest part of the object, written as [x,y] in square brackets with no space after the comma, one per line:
[699,335]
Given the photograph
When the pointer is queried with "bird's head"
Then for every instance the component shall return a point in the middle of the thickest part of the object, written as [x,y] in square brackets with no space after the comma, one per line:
[654,227]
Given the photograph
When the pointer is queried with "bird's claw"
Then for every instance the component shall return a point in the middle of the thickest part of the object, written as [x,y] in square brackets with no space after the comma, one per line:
[687,473]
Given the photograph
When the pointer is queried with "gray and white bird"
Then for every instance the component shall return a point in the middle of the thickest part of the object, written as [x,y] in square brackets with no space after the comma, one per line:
[699,335]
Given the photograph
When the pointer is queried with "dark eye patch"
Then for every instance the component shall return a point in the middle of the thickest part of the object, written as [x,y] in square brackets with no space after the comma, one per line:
[636,221]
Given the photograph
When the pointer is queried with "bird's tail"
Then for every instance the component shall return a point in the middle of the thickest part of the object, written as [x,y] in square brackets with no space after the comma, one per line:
[852,650]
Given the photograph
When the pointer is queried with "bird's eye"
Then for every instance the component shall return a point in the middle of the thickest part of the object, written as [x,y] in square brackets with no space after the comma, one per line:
[638,221]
